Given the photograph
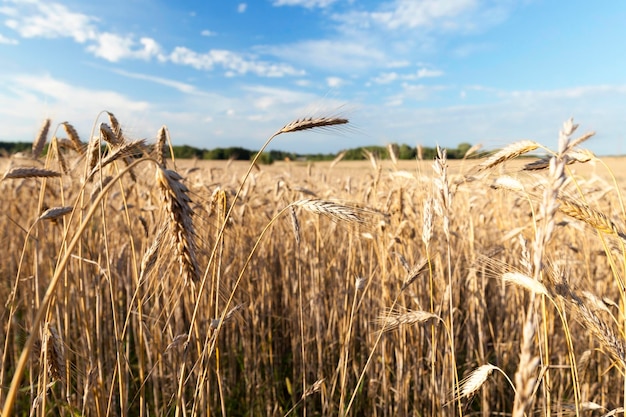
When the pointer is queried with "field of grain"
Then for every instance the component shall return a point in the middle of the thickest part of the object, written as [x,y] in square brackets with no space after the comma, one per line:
[134,285]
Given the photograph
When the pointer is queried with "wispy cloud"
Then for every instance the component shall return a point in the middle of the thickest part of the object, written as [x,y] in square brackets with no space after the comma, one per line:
[414,92]
[56,91]
[428,13]
[233,63]
[501,117]
[309,4]
[34,18]
[26,99]
[241,7]
[431,15]
[334,82]
[504,116]
[338,55]
[114,48]
[177,85]
[276,99]
[207,32]
[382,35]
[567,93]
[7,41]
[389,77]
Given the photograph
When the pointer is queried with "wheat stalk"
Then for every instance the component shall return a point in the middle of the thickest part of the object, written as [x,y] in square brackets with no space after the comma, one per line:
[526,282]
[150,257]
[472,150]
[123,150]
[40,141]
[592,322]
[592,217]
[109,135]
[472,382]
[55,213]
[177,205]
[580,156]
[30,172]
[331,209]
[55,353]
[573,143]
[392,154]
[55,149]
[507,153]
[116,126]
[312,123]
[160,144]
[337,159]
[414,273]
[295,224]
[525,377]
[93,153]
[72,134]
[394,319]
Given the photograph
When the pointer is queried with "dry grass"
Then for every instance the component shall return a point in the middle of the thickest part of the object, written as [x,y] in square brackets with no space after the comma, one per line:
[335,288]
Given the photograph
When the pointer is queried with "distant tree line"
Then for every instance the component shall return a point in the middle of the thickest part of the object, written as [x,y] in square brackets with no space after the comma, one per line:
[401,151]
[9,148]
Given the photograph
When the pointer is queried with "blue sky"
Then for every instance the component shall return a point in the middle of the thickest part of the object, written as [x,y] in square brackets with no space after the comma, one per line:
[229,73]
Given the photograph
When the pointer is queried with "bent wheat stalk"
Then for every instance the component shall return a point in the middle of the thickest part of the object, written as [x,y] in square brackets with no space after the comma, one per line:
[48,296]
[30,173]
[297,125]
[40,141]
[509,152]
[593,218]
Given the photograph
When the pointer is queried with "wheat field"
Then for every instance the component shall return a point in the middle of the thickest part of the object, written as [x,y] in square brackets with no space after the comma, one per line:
[136,285]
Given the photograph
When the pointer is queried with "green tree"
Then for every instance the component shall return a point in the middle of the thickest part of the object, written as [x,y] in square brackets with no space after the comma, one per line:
[406,152]
[462,148]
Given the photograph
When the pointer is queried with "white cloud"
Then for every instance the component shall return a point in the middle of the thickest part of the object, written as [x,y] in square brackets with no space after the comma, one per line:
[414,92]
[398,64]
[25,100]
[114,48]
[7,41]
[387,35]
[271,107]
[334,82]
[178,85]
[428,73]
[272,99]
[9,11]
[336,55]
[501,118]
[207,32]
[111,47]
[34,18]
[59,92]
[425,16]
[49,20]
[232,62]
[389,77]
[426,13]
[309,4]
[566,93]
[386,78]
[241,7]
